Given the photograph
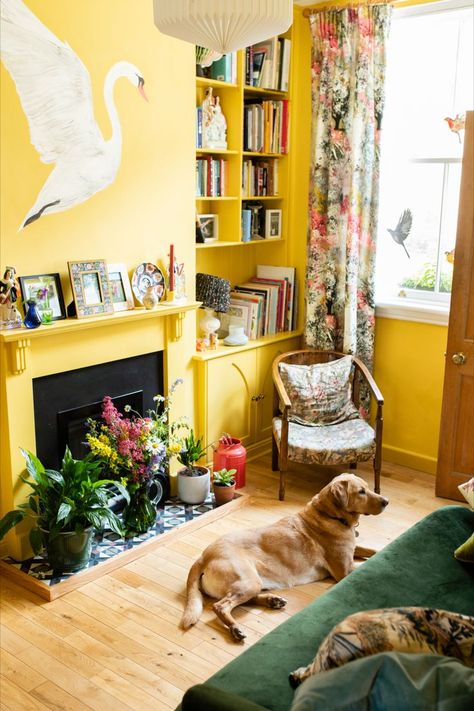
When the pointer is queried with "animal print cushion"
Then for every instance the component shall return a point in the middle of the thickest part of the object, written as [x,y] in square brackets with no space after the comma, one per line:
[465,552]
[406,629]
[320,393]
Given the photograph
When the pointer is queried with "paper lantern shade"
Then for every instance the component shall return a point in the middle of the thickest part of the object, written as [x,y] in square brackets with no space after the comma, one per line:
[223,25]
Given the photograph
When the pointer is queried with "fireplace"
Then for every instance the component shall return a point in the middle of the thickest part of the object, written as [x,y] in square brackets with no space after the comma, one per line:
[28,358]
[64,401]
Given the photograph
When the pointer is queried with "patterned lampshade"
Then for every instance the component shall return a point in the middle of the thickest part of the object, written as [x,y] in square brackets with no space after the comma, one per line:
[213,291]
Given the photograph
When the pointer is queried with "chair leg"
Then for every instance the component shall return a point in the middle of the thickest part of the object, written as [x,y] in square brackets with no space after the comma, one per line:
[274,455]
[281,494]
[377,469]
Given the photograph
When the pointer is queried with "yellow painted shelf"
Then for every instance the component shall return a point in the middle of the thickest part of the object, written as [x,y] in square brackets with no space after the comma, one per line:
[259,154]
[217,151]
[216,83]
[222,197]
[264,92]
[222,351]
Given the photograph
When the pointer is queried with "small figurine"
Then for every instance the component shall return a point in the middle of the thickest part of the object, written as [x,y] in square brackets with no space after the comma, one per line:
[9,291]
[456,124]
[214,125]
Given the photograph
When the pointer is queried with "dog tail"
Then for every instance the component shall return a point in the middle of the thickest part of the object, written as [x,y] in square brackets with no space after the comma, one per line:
[193,608]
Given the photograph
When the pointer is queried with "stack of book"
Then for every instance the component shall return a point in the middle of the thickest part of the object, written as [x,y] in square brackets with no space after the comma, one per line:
[211,177]
[266,126]
[265,304]
[223,69]
[259,178]
[267,64]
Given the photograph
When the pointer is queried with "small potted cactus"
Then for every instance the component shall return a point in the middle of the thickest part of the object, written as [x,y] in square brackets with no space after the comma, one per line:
[223,483]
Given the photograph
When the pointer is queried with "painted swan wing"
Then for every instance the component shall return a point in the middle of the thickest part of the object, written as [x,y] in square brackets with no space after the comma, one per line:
[53,84]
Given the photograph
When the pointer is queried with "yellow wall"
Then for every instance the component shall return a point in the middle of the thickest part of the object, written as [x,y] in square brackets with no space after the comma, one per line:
[151,202]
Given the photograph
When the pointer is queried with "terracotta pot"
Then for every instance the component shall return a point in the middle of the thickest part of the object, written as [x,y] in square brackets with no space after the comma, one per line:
[194,489]
[223,494]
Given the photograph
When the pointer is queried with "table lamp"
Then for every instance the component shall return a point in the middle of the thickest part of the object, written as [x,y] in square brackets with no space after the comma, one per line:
[214,292]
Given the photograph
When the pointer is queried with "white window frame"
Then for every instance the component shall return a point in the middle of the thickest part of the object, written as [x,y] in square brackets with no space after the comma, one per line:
[417,305]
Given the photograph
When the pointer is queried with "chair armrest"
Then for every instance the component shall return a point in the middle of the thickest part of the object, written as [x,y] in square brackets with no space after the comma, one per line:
[280,390]
[372,385]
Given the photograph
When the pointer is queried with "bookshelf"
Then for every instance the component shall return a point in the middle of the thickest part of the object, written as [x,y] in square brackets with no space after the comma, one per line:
[240,376]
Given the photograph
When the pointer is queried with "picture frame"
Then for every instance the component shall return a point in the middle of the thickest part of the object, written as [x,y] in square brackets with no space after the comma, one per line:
[90,288]
[272,224]
[209,227]
[51,306]
[120,288]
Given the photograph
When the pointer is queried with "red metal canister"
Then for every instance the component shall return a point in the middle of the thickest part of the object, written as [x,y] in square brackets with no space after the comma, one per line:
[231,456]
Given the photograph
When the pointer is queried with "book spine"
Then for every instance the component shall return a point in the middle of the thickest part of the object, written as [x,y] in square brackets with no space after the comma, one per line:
[246,224]
[198,127]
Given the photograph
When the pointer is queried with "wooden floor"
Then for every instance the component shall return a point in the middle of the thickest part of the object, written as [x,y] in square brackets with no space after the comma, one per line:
[115,643]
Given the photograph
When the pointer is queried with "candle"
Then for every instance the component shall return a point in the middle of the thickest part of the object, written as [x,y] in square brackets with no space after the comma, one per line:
[171,267]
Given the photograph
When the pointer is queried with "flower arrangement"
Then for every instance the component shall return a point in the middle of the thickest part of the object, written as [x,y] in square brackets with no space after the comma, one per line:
[135,448]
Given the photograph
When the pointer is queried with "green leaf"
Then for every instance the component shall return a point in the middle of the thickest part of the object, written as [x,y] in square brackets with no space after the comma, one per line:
[122,489]
[36,540]
[11,519]
[33,465]
[113,521]
[63,512]
[55,476]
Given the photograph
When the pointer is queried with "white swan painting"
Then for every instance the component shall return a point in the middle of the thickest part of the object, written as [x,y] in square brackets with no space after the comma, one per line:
[55,92]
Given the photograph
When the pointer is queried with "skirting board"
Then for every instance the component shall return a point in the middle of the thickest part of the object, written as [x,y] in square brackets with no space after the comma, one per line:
[48,592]
[409,459]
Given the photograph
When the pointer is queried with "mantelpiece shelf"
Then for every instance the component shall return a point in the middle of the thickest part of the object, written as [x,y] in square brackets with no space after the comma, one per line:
[83,324]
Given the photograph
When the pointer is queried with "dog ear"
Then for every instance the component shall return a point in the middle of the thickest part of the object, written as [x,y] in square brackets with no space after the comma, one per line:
[340,494]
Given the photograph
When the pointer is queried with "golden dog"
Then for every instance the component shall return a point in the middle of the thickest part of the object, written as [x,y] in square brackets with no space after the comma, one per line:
[308,546]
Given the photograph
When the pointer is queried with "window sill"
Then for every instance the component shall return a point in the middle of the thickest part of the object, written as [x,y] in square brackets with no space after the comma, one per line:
[411,310]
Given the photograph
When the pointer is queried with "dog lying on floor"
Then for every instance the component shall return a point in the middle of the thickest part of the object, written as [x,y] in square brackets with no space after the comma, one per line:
[311,545]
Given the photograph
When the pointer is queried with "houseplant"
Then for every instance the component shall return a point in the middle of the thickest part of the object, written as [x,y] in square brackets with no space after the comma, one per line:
[66,505]
[223,484]
[136,450]
[193,480]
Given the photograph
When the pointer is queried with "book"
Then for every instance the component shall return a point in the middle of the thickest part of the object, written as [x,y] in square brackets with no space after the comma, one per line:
[256,303]
[285,51]
[246,225]
[289,273]
[269,72]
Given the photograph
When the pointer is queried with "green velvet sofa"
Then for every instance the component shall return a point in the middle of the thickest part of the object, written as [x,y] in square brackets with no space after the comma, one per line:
[417,569]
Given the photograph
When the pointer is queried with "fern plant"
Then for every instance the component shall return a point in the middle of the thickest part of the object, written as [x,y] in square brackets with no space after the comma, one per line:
[69,500]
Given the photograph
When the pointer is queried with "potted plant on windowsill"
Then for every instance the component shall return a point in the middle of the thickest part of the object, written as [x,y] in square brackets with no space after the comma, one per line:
[194,481]
[66,505]
[223,484]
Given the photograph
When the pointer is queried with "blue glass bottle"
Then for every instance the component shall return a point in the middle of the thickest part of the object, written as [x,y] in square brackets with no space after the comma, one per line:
[32,318]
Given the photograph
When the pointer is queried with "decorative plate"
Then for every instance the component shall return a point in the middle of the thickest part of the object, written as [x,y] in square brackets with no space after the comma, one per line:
[146,275]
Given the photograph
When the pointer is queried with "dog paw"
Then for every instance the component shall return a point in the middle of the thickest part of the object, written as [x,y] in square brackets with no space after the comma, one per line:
[294,680]
[238,634]
[276,602]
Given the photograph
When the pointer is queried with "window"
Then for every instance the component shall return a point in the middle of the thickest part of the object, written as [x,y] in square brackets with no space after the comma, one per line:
[429,79]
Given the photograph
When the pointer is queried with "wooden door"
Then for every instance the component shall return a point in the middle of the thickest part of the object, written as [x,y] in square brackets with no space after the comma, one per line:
[456,443]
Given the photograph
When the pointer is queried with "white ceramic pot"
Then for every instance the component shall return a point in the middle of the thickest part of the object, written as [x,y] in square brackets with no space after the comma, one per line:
[194,489]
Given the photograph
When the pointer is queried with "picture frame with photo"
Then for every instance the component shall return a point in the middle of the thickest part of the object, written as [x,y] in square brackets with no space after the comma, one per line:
[46,290]
[90,288]
[209,227]
[120,288]
[272,224]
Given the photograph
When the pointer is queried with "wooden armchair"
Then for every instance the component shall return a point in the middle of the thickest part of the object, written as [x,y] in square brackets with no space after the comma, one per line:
[347,442]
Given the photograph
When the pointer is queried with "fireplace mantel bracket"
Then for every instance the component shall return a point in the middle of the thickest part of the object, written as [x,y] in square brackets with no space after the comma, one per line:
[176,325]
[18,355]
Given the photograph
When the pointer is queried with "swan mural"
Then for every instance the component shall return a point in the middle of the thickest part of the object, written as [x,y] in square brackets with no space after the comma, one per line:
[55,92]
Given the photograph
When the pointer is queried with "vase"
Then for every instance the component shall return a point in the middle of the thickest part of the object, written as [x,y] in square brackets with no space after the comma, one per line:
[140,514]
[47,316]
[32,318]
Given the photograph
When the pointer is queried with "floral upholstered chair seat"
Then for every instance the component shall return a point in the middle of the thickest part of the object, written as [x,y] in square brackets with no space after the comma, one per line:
[351,441]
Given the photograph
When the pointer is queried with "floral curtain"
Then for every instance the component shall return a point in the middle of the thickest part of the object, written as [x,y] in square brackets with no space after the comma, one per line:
[348,73]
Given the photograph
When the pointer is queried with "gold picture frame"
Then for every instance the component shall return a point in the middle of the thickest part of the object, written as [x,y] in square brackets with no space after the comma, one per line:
[90,288]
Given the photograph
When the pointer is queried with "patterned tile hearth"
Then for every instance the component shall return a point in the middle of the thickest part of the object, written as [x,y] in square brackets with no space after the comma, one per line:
[36,574]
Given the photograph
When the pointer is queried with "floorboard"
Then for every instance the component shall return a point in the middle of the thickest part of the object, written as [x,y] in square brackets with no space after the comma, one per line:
[115,644]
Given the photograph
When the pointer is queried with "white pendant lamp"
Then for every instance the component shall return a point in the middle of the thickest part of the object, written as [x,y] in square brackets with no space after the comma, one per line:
[223,25]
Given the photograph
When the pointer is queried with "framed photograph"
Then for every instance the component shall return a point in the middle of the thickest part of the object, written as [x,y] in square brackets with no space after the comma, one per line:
[272,224]
[91,288]
[48,294]
[209,226]
[120,289]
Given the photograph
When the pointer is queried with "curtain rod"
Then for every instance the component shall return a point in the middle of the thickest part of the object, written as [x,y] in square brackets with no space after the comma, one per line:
[354,3]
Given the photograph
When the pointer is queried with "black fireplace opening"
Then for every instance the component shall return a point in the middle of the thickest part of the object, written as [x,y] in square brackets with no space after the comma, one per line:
[63,402]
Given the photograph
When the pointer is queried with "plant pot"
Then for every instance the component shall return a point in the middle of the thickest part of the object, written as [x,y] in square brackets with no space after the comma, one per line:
[69,551]
[140,514]
[223,494]
[194,489]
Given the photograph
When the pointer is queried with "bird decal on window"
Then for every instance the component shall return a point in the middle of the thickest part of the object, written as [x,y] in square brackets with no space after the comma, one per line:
[456,124]
[402,230]
[55,92]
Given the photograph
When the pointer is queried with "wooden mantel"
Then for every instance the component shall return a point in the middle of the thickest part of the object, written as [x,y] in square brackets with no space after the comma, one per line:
[19,340]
